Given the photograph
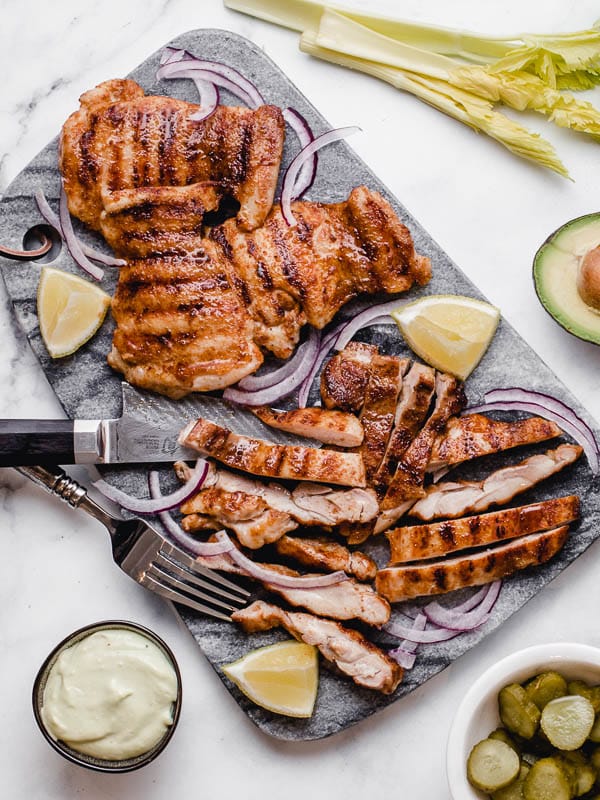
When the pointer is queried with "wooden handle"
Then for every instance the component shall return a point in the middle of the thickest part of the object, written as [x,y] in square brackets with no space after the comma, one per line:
[24,442]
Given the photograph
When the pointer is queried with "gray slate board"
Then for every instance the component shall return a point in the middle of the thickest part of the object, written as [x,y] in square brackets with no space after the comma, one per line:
[88,388]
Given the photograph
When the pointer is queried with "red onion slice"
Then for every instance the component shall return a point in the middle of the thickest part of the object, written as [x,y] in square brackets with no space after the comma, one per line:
[291,173]
[473,600]
[266,575]
[72,241]
[170,54]
[418,625]
[253,383]
[270,394]
[324,349]
[206,549]
[52,219]
[224,70]
[374,315]
[404,658]
[190,69]
[578,432]
[308,171]
[151,505]
[208,100]
[420,637]
[453,619]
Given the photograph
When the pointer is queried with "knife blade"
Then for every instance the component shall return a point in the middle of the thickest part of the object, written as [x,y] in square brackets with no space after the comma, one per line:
[147,431]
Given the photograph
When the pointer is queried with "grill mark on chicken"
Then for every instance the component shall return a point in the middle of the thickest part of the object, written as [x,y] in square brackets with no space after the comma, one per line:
[407,483]
[419,542]
[405,582]
[172,148]
[349,650]
[330,427]
[328,555]
[271,460]
[456,498]
[475,435]
[346,376]
[417,390]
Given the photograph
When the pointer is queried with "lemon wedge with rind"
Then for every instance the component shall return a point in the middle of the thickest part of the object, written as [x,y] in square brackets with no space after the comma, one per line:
[449,332]
[282,677]
[70,310]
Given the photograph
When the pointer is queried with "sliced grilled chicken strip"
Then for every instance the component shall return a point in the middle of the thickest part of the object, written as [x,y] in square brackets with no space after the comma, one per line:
[417,391]
[437,577]
[419,542]
[379,408]
[454,499]
[330,427]
[349,650]
[345,600]
[122,139]
[324,554]
[153,220]
[345,378]
[261,514]
[272,460]
[407,483]
[475,435]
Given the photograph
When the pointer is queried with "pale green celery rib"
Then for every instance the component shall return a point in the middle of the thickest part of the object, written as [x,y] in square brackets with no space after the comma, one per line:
[301,15]
[460,104]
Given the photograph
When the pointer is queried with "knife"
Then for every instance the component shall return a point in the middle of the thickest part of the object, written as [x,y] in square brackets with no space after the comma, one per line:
[147,431]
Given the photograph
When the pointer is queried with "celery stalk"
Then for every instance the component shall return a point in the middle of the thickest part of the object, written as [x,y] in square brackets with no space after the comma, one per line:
[301,15]
[460,104]
[520,90]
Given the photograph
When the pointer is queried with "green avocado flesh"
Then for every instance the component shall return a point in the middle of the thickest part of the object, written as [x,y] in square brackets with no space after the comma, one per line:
[555,276]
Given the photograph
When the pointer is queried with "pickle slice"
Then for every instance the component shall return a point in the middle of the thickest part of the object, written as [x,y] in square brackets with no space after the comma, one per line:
[546,780]
[591,693]
[545,687]
[567,721]
[594,734]
[514,790]
[491,765]
[503,736]
[518,713]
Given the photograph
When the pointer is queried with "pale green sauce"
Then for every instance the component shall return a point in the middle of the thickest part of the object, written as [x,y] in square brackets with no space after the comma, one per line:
[110,695]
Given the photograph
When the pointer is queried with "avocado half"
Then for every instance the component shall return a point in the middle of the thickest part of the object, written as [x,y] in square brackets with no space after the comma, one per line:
[555,270]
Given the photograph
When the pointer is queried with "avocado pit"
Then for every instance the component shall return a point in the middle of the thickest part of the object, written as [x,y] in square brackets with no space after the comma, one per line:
[588,278]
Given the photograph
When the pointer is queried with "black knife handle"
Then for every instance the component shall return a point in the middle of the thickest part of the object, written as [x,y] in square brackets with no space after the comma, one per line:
[24,442]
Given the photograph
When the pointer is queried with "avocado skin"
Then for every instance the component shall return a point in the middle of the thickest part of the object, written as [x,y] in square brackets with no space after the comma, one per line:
[565,316]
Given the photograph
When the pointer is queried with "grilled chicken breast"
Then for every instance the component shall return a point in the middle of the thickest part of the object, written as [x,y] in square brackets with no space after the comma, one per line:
[437,577]
[419,542]
[181,326]
[346,376]
[475,435]
[328,555]
[349,650]
[158,220]
[329,427]
[454,499]
[417,391]
[122,139]
[273,460]
[197,317]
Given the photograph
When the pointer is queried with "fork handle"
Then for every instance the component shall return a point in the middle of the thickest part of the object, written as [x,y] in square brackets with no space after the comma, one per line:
[55,480]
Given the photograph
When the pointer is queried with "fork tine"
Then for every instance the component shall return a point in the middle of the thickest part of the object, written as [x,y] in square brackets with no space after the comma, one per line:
[172,581]
[155,586]
[177,556]
[173,567]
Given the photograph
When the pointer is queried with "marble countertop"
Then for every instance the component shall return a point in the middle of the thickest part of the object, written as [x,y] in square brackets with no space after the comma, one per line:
[487,209]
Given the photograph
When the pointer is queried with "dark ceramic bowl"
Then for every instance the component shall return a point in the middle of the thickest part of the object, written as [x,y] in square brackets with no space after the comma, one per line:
[99,764]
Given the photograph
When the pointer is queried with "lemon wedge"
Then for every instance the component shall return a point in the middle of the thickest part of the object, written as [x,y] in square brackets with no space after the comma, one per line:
[70,310]
[282,677]
[450,332]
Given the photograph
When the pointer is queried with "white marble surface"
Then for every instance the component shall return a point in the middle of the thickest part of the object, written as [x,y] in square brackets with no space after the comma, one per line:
[488,209]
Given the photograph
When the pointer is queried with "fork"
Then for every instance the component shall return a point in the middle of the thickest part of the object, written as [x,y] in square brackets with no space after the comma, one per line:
[145,555]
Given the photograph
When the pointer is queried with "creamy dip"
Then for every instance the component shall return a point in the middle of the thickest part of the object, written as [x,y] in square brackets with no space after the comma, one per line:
[110,695]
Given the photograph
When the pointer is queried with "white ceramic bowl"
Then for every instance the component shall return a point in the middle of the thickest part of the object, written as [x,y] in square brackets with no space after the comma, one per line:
[477,715]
